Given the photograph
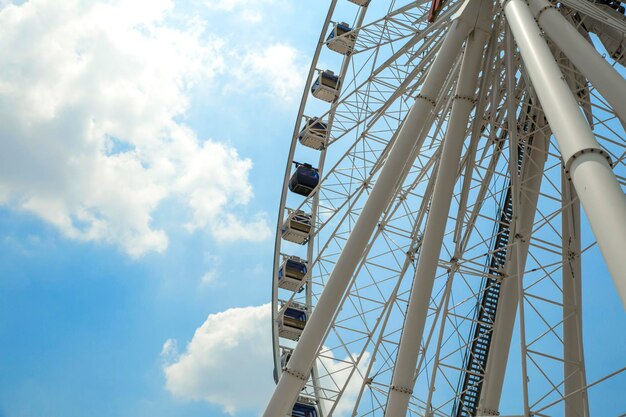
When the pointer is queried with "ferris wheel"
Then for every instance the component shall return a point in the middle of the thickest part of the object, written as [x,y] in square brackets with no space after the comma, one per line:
[453,164]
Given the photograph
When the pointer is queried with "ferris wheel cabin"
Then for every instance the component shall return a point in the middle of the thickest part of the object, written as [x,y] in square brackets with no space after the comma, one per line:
[341,39]
[297,227]
[304,408]
[326,86]
[292,321]
[314,134]
[292,274]
[304,179]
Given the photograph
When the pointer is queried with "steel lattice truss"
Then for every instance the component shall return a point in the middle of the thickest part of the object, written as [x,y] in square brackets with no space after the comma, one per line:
[512,242]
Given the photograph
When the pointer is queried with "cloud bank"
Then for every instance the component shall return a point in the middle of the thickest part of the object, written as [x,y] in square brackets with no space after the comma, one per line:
[92,103]
[228,362]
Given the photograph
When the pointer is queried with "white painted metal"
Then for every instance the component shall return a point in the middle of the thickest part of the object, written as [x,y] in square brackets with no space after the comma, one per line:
[283,197]
[295,375]
[360,2]
[613,39]
[574,376]
[360,336]
[583,54]
[605,15]
[412,331]
[600,194]
[532,176]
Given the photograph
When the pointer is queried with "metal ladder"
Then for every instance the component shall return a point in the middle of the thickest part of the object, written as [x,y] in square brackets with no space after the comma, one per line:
[470,384]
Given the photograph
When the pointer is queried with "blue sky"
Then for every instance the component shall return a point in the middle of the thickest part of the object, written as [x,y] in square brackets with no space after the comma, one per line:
[84,316]
[144,144]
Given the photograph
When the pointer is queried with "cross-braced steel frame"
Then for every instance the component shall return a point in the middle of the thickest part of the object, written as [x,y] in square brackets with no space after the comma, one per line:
[446,249]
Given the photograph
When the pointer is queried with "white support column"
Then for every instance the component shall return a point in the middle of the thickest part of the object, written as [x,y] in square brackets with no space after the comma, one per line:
[585,161]
[532,176]
[583,54]
[576,401]
[412,331]
[296,373]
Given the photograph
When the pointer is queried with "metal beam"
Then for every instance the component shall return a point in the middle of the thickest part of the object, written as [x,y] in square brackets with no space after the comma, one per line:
[583,54]
[297,372]
[576,400]
[586,163]
[412,331]
[532,175]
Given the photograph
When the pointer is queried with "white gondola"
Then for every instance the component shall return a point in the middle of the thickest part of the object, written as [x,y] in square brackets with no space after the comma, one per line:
[360,2]
[297,227]
[326,86]
[341,39]
[314,134]
[292,320]
[292,274]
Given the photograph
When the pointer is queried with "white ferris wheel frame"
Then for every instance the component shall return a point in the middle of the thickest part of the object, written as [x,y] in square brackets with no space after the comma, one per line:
[589,178]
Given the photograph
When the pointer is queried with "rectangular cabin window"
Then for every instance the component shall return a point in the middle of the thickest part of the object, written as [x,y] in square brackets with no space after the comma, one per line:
[341,31]
[303,410]
[294,318]
[328,82]
[295,270]
[300,227]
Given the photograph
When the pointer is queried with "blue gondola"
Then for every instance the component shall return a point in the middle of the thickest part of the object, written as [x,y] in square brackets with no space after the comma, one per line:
[295,317]
[301,409]
[292,274]
[326,86]
[292,321]
[341,39]
[304,179]
[314,134]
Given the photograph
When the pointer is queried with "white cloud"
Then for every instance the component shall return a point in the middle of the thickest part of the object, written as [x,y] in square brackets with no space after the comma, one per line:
[335,375]
[91,100]
[169,351]
[279,71]
[248,10]
[208,277]
[229,363]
